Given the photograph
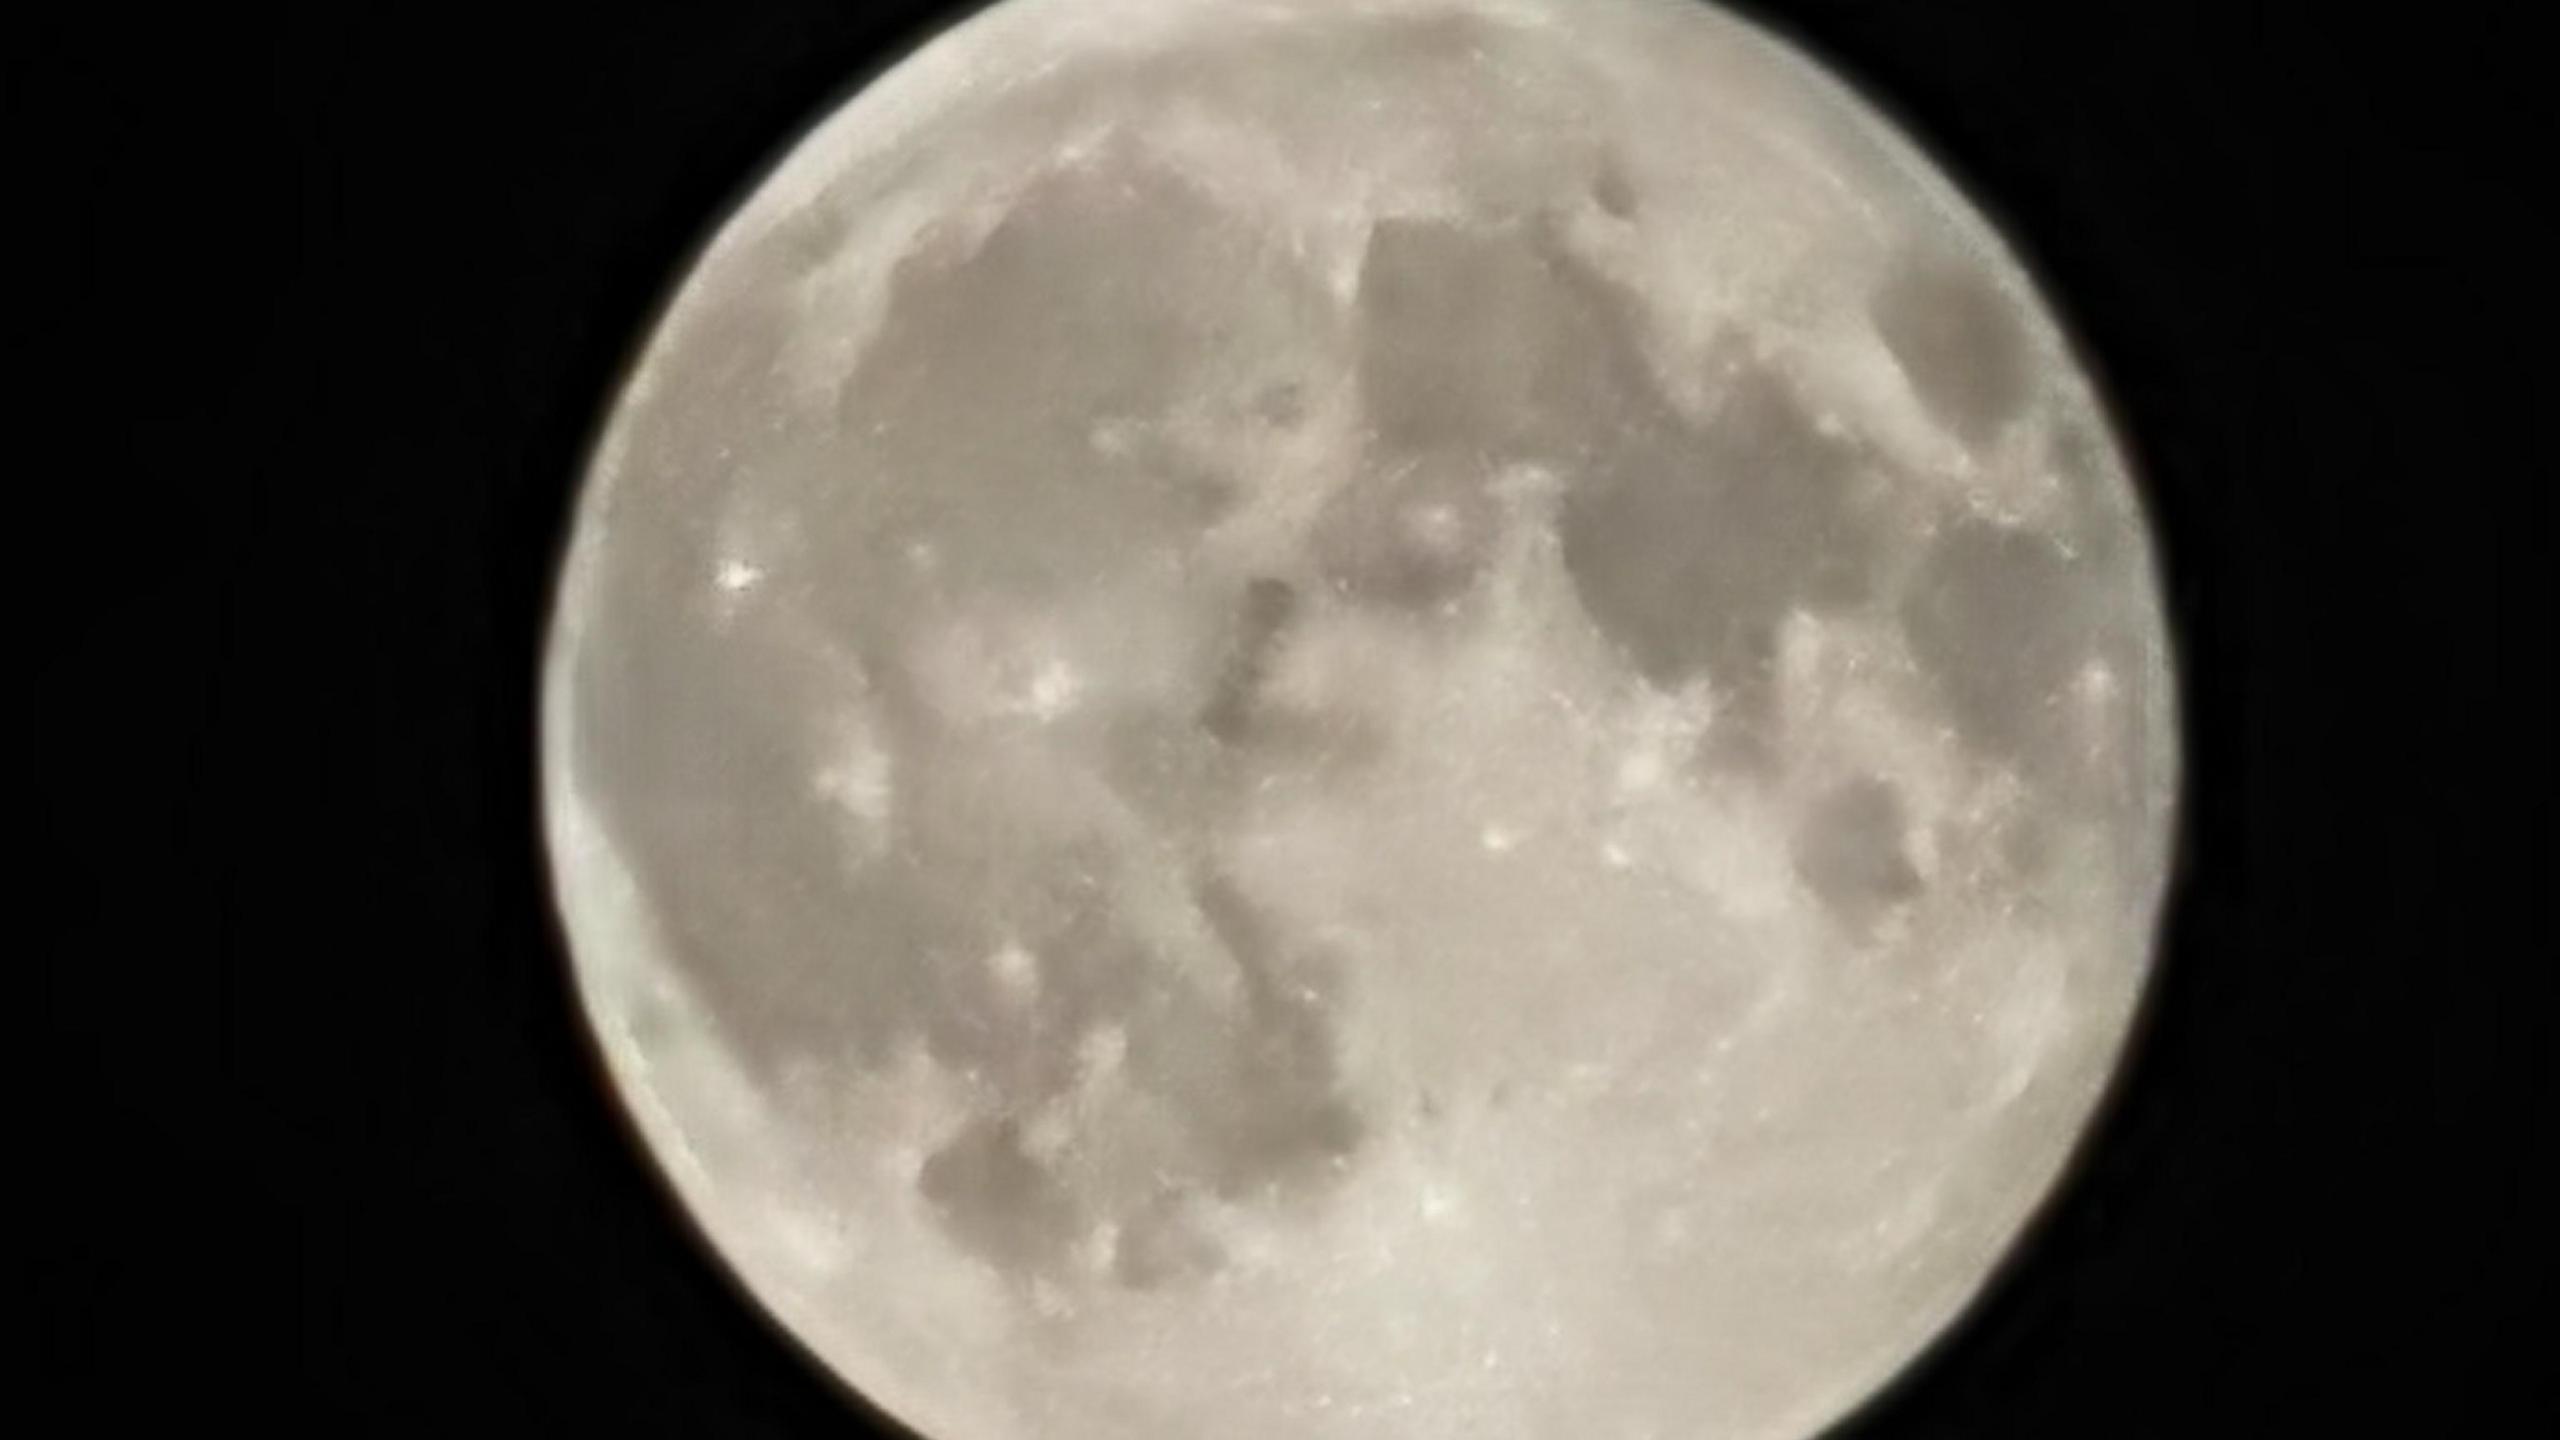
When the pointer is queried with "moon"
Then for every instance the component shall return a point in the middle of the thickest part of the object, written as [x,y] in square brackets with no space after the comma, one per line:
[1427,718]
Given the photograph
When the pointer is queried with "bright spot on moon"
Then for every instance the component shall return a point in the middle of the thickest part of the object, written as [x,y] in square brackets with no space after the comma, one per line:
[737,576]
[1441,718]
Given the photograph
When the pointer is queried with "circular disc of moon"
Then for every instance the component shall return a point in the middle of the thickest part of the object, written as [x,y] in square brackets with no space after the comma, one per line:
[1285,719]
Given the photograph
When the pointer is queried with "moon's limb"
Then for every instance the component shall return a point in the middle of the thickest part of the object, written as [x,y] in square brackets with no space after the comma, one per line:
[1279,719]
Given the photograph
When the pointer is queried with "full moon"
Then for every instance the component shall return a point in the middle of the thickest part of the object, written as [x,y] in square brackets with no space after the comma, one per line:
[1289,719]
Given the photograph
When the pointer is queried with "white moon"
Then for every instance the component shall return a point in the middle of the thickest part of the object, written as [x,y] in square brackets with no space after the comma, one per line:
[1429,718]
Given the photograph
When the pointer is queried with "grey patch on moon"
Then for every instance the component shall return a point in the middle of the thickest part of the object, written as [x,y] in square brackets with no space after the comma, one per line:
[1694,548]
[1416,538]
[1951,332]
[1445,720]
[1853,849]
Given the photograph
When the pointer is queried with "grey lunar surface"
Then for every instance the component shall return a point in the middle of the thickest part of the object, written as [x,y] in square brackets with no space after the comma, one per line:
[1436,718]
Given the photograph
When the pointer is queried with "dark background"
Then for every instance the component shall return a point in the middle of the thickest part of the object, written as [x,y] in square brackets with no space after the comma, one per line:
[322,307]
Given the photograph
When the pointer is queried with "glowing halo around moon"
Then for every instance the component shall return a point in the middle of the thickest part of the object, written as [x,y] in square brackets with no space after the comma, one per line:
[1432,718]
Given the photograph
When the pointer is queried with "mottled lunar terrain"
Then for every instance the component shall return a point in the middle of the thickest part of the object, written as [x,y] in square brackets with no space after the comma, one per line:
[1420,719]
